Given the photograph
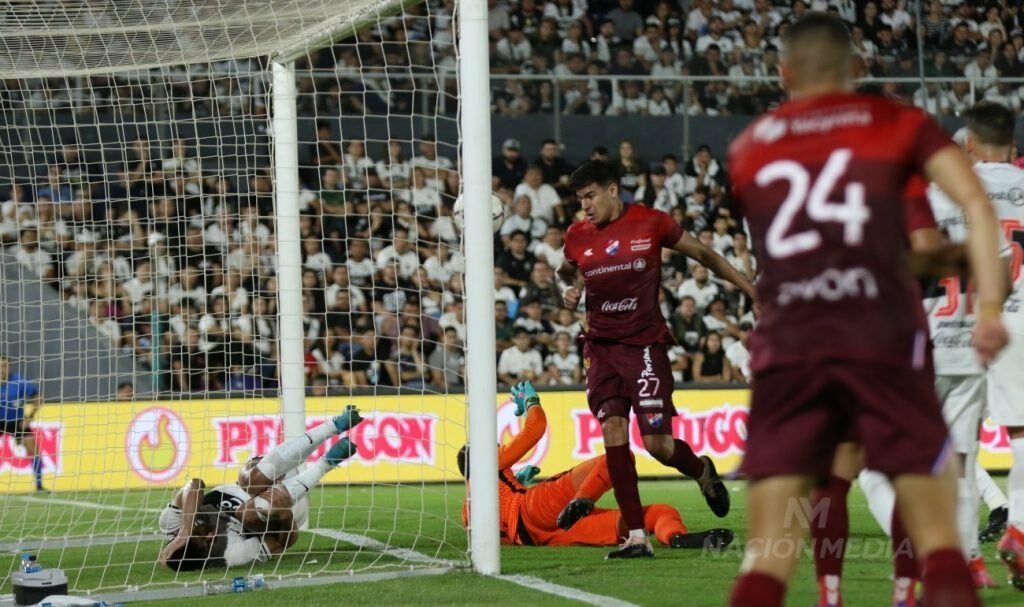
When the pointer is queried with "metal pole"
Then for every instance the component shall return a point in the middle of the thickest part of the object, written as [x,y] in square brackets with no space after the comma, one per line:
[289,255]
[920,56]
[475,111]
[556,92]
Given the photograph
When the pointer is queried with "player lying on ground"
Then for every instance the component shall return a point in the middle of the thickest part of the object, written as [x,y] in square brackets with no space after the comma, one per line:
[20,400]
[842,336]
[539,514]
[617,254]
[258,517]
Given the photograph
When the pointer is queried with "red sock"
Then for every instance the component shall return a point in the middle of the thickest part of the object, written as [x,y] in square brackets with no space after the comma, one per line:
[947,580]
[903,559]
[757,590]
[830,530]
[685,460]
[622,470]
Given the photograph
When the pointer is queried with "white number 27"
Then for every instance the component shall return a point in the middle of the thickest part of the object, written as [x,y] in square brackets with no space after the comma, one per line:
[852,212]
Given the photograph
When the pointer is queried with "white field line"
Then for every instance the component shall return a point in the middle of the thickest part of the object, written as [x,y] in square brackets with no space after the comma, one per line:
[369,543]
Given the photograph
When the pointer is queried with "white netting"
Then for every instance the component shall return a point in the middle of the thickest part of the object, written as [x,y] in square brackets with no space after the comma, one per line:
[141,269]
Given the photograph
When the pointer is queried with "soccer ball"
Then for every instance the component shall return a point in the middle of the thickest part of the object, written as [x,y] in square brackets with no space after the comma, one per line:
[497,212]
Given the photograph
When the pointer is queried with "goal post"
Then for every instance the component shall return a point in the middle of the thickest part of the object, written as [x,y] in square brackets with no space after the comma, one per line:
[212,199]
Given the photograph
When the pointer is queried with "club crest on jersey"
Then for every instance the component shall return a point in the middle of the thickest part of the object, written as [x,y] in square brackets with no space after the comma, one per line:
[770,129]
[640,264]
[612,249]
[655,419]
[588,252]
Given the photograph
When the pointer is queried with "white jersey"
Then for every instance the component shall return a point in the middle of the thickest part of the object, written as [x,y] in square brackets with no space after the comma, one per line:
[950,310]
[227,499]
[1005,186]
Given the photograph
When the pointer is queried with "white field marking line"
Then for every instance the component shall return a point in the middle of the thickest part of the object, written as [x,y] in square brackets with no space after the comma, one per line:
[77,542]
[80,504]
[575,594]
[407,554]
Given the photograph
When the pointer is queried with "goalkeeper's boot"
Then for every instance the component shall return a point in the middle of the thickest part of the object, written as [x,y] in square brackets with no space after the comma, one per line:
[574,511]
[340,451]
[632,548]
[714,490]
[1011,551]
[996,525]
[348,419]
[979,573]
[712,539]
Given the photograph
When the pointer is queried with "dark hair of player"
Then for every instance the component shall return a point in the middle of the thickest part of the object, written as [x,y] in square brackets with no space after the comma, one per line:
[593,172]
[818,47]
[991,123]
[871,88]
[463,460]
[202,550]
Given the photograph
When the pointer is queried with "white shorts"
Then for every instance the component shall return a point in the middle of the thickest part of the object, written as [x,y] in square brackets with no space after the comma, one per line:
[1006,384]
[963,403]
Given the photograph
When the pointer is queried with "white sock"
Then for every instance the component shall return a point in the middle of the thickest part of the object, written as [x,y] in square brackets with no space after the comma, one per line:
[293,452]
[967,516]
[298,486]
[881,497]
[1015,483]
[637,533]
[989,490]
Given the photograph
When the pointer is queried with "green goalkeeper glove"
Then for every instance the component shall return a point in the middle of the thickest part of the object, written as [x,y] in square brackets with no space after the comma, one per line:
[526,475]
[525,396]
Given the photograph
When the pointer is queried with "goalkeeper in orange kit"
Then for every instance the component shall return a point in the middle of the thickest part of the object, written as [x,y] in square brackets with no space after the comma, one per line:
[540,514]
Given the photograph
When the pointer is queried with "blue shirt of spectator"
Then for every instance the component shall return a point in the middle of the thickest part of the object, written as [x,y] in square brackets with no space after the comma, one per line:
[13,394]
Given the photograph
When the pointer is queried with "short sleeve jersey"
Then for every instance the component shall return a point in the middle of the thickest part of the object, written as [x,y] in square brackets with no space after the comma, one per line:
[621,266]
[822,182]
[13,394]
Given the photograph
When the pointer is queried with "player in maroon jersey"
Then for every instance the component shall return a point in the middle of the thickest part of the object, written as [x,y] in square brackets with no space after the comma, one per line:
[842,337]
[617,252]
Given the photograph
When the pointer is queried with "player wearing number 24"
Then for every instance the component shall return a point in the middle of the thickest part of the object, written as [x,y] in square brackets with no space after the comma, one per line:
[617,252]
[842,340]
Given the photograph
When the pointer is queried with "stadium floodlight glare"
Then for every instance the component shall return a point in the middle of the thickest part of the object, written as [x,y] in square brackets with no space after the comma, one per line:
[187,193]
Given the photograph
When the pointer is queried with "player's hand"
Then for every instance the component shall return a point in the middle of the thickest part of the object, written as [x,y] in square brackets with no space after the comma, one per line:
[571,297]
[989,338]
[526,475]
[525,396]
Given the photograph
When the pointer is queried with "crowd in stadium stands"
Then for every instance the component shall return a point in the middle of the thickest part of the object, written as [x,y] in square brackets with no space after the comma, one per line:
[575,40]
[177,264]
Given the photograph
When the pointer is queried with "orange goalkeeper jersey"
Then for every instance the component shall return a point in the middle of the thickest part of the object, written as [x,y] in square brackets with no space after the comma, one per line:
[510,491]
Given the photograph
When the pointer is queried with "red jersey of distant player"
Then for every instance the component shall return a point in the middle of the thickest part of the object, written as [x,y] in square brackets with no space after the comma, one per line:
[621,266]
[829,216]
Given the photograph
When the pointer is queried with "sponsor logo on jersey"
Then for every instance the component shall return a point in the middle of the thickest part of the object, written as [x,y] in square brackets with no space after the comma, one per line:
[619,267]
[833,119]
[770,130]
[157,444]
[612,249]
[648,364]
[1014,196]
[651,403]
[588,253]
[623,305]
[640,244]
[640,264]
[831,285]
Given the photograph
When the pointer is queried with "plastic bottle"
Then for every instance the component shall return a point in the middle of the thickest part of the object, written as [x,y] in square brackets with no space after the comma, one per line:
[238,584]
[29,564]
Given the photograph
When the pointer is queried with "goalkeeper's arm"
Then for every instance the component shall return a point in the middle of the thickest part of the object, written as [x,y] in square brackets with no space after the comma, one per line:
[527,400]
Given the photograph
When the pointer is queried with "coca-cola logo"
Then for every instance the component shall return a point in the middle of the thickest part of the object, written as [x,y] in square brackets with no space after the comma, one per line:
[623,305]
[393,437]
[14,457]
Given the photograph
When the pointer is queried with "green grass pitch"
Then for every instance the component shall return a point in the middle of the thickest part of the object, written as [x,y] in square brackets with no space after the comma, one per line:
[426,519]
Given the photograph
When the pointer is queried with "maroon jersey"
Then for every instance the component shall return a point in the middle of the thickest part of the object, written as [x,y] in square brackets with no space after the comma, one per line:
[822,183]
[621,266]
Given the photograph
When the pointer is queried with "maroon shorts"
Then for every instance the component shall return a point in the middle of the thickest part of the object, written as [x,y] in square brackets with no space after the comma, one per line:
[622,377]
[799,413]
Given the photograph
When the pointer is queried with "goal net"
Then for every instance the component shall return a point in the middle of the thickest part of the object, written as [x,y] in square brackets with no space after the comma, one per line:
[178,304]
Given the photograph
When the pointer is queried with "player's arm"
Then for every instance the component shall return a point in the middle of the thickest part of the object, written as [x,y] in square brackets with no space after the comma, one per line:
[32,406]
[952,172]
[527,400]
[569,281]
[694,249]
[189,498]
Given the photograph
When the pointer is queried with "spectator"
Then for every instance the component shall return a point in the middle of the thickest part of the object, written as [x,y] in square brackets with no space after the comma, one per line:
[532,320]
[961,48]
[935,25]
[655,194]
[364,366]
[522,221]
[698,19]
[503,325]
[390,292]
[574,43]
[509,167]
[402,252]
[687,325]
[889,48]
[502,292]
[864,47]
[896,18]
[1007,63]
[32,258]
[563,365]
[447,363]
[716,36]
[497,16]
[605,41]
[542,288]
[519,362]
[424,197]
[710,364]
[546,204]
[454,317]
[965,15]
[870,21]
[527,18]
[717,319]
[746,94]
[631,102]
[699,287]
[394,171]
[739,356]
[647,48]
[658,104]
[550,248]
[628,22]
[630,169]
[1004,94]
[406,365]
[740,256]
[981,72]
[555,170]
[514,48]
[959,97]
